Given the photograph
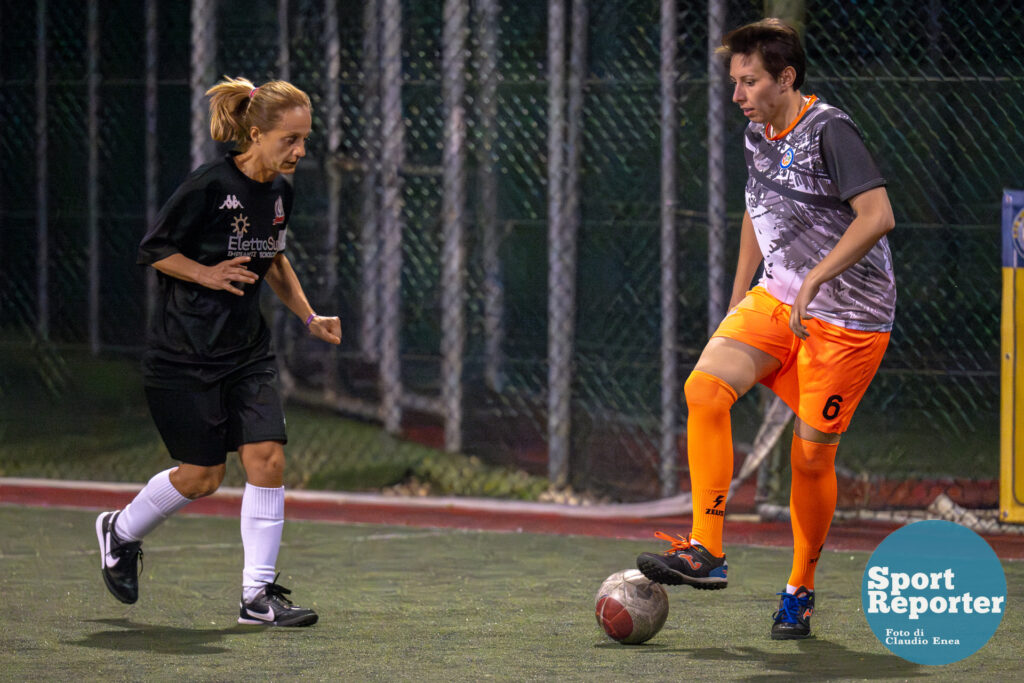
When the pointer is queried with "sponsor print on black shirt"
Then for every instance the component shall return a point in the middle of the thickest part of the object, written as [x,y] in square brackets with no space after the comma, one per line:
[241,243]
[198,335]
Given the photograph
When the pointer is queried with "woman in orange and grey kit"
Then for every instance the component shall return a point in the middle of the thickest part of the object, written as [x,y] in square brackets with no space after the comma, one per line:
[814,328]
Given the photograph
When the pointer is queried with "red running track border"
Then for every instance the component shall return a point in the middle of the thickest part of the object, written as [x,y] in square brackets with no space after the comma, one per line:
[502,516]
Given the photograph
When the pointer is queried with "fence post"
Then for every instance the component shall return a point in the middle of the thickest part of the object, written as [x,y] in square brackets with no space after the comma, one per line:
[574,156]
[284,58]
[92,40]
[391,209]
[3,244]
[332,57]
[487,114]
[453,256]
[669,260]
[370,237]
[718,293]
[42,180]
[284,340]
[559,332]
[150,106]
[791,11]
[204,51]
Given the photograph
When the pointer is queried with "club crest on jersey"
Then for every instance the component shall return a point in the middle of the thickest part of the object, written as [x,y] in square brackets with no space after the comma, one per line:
[231,202]
[787,158]
[278,212]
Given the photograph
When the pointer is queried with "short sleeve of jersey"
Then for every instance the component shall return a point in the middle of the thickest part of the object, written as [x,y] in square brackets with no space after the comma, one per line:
[848,160]
[175,221]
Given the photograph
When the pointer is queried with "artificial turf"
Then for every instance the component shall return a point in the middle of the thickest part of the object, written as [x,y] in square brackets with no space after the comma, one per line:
[406,603]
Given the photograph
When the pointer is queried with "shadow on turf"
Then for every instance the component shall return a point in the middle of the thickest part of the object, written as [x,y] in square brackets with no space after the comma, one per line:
[818,659]
[159,639]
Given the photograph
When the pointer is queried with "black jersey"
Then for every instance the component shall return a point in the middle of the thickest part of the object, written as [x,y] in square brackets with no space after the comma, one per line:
[198,335]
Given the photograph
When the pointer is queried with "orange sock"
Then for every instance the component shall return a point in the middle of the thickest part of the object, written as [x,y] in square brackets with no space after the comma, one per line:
[812,502]
[709,450]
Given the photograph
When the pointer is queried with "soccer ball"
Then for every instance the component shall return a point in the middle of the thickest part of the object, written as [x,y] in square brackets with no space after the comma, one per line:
[630,607]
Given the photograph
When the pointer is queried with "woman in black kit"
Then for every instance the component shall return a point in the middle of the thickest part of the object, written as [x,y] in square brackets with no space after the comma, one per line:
[210,376]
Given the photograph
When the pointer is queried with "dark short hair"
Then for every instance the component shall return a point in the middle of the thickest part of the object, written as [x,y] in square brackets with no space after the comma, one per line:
[774,40]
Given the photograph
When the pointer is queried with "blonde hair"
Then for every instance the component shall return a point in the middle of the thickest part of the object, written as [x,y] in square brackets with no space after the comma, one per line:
[236,105]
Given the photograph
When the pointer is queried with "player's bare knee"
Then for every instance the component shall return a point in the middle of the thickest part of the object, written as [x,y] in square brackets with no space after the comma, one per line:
[273,466]
[209,484]
[198,482]
[263,462]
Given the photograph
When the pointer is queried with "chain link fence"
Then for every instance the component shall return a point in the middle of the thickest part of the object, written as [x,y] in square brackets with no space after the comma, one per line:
[525,213]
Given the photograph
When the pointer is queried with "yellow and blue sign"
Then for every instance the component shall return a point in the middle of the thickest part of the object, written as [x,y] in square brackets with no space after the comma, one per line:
[1011,487]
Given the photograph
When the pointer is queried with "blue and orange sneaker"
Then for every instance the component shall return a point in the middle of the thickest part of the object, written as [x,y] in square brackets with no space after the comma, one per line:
[793,618]
[685,563]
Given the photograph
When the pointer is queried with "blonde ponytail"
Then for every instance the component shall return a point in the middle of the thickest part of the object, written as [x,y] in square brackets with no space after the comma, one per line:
[229,100]
[236,105]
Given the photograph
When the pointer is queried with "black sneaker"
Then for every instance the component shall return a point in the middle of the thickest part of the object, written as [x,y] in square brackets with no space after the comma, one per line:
[684,563]
[793,618]
[119,560]
[270,607]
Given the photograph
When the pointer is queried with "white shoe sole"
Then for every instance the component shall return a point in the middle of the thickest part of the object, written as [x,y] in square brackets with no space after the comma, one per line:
[99,537]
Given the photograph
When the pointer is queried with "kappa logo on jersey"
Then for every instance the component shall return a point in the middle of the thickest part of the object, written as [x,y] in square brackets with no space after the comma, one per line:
[231,202]
[278,212]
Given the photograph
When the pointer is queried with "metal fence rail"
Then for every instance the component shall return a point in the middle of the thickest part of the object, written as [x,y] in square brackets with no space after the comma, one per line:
[526,213]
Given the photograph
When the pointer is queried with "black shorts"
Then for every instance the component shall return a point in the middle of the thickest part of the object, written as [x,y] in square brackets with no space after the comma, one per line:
[200,427]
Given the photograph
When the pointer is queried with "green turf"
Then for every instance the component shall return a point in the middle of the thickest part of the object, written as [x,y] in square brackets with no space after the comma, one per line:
[423,604]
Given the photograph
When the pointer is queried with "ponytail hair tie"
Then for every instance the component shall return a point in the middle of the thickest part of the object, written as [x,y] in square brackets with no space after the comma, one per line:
[252,93]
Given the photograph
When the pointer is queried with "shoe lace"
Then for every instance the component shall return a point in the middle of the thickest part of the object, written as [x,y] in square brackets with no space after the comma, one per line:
[679,543]
[275,590]
[789,608]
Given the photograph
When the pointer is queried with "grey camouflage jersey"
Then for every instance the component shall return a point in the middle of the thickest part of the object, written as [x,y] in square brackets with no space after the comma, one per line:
[800,212]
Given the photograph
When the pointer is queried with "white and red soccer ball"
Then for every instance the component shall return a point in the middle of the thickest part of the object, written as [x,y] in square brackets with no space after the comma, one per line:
[630,607]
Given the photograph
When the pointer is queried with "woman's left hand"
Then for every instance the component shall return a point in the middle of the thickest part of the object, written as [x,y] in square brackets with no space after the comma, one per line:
[327,328]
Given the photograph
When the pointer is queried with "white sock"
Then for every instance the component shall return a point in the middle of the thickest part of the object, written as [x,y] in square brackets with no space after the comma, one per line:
[157,501]
[262,522]
[791,589]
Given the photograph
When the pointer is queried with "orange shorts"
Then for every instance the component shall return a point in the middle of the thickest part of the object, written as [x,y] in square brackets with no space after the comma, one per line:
[823,377]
